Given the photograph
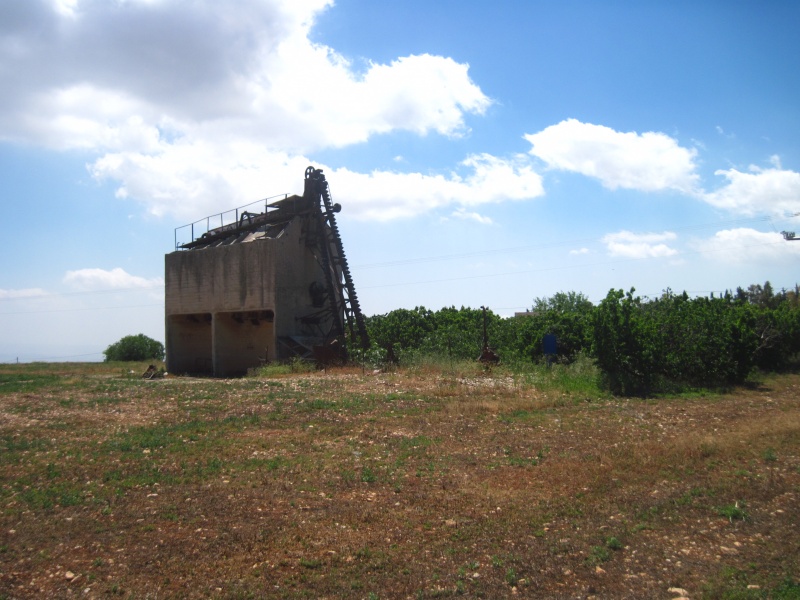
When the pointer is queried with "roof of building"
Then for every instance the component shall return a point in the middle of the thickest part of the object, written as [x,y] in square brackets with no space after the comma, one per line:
[249,226]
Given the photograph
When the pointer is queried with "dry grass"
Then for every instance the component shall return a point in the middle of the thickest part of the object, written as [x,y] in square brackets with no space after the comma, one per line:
[417,484]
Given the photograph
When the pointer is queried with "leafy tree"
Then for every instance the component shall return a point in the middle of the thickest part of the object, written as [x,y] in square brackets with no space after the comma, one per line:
[625,343]
[567,315]
[458,333]
[451,332]
[705,341]
[641,346]
[400,330]
[674,341]
[777,333]
[563,302]
[762,296]
[135,348]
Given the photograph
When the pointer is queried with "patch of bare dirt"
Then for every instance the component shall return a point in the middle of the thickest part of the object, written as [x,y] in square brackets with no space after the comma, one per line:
[394,485]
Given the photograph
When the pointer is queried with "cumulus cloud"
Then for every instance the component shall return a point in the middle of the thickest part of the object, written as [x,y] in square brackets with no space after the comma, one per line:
[323,103]
[465,215]
[385,195]
[745,245]
[192,107]
[101,279]
[197,106]
[627,244]
[647,162]
[773,191]
[191,180]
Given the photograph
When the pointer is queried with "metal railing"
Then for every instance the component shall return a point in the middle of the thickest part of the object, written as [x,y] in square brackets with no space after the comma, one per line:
[186,234]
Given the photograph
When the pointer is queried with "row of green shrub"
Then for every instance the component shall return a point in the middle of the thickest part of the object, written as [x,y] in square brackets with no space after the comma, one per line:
[641,345]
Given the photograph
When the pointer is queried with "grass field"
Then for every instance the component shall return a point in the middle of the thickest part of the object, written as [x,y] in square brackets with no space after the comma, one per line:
[431,482]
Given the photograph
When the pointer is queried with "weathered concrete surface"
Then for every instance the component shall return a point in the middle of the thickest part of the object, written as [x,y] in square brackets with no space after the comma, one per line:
[227,306]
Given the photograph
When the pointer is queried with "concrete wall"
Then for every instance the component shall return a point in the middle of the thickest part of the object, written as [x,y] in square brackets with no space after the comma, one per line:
[189,343]
[242,341]
[226,306]
[237,277]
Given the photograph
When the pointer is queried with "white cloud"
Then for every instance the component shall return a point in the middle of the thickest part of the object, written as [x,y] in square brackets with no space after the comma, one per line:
[724,133]
[322,102]
[496,179]
[24,293]
[463,215]
[195,109]
[579,252]
[385,195]
[647,162]
[744,245]
[639,245]
[101,279]
[194,180]
[772,191]
[66,7]
[242,69]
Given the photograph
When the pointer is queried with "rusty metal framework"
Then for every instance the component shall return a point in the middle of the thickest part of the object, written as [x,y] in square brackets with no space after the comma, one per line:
[343,304]
[200,232]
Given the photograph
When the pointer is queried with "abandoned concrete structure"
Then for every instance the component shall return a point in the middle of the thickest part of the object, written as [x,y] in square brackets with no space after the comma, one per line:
[267,286]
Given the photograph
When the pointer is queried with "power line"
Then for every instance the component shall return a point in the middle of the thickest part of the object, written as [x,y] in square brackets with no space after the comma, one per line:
[403,262]
[558,268]
[423,259]
[440,280]
[59,310]
[84,293]
[578,241]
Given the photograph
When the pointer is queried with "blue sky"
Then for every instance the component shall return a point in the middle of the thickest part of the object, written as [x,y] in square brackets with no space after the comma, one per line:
[484,153]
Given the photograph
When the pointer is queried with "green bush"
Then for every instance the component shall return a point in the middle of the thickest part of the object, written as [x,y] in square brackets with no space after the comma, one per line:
[567,315]
[400,330]
[450,333]
[640,346]
[673,342]
[626,344]
[134,348]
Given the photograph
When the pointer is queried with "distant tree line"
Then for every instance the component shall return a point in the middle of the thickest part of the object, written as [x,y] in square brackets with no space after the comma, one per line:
[641,345]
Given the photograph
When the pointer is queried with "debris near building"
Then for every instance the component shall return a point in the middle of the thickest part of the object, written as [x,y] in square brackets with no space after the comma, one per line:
[268,286]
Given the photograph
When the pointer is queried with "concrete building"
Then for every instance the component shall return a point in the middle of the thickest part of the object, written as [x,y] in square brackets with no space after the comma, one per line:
[267,286]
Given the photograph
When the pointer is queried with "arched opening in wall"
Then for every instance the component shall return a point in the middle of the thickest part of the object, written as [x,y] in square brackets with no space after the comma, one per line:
[189,344]
[243,340]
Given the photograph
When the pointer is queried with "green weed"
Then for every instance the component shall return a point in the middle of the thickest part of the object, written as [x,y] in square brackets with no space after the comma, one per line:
[368,475]
[597,555]
[310,563]
[733,512]
[613,543]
